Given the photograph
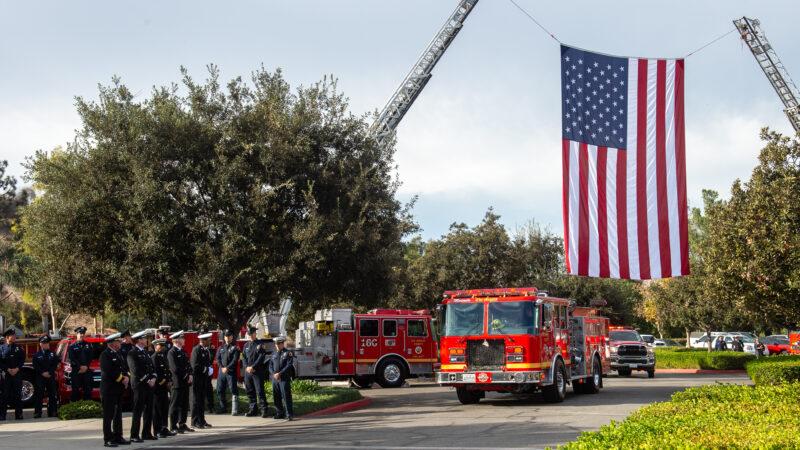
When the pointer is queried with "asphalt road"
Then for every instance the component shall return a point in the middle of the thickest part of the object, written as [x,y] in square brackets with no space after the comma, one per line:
[428,416]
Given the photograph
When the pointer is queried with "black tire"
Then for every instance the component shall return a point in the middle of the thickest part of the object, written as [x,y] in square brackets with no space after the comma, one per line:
[362,382]
[556,392]
[624,372]
[28,389]
[391,373]
[651,373]
[593,384]
[784,352]
[468,397]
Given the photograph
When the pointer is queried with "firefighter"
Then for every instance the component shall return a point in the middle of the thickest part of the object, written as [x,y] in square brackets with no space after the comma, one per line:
[45,364]
[181,382]
[228,364]
[201,362]
[126,346]
[113,382]
[81,355]
[281,372]
[210,379]
[161,389]
[143,379]
[162,333]
[12,357]
[254,358]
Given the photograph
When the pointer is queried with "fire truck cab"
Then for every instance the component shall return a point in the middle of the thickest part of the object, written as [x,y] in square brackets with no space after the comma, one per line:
[520,341]
[384,345]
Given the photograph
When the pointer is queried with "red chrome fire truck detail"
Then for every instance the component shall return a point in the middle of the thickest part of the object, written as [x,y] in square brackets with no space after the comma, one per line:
[384,345]
[516,340]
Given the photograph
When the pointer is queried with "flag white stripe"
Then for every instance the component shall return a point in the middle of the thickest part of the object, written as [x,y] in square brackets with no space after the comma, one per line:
[652,178]
[672,173]
[611,212]
[630,174]
[594,227]
[574,210]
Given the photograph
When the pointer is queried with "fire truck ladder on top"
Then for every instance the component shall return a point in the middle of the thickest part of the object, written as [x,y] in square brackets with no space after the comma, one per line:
[384,127]
[776,73]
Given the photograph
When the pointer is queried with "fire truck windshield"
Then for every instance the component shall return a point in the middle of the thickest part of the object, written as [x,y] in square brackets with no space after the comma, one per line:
[463,319]
[513,318]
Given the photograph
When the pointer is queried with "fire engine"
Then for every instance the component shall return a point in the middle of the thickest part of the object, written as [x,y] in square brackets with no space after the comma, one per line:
[518,340]
[794,342]
[384,345]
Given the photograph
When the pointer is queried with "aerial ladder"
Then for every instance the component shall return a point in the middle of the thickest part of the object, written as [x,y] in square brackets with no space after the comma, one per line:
[778,76]
[273,323]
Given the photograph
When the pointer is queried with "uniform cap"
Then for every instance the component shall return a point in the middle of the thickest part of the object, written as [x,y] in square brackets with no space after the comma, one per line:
[164,329]
[252,330]
[227,333]
[140,334]
[125,333]
[80,330]
[44,339]
[160,341]
[9,331]
[280,340]
[114,337]
[179,334]
[204,336]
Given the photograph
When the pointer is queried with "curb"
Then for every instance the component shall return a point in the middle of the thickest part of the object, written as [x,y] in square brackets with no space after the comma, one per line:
[700,371]
[363,403]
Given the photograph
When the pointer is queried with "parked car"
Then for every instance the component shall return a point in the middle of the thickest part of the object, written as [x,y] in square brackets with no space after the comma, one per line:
[777,344]
[648,338]
[701,340]
[665,343]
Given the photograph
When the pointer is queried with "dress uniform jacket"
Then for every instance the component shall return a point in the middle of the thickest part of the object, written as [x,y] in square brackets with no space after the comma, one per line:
[181,370]
[80,354]
[46,361]
[201,361]
[161,392]
[142,371]
[12,356]
[112,373]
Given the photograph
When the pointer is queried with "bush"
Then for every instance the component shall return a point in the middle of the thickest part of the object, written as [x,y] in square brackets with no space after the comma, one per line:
[304,386]
[720,416]
[322,397]
[725,360]
[81,409]
[774,369]
[692,358]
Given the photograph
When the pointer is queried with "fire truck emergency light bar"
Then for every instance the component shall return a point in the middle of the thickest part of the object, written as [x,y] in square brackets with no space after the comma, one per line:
[504,292]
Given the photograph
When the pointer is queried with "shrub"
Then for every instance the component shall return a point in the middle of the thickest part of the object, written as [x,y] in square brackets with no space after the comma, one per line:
[81,409]
[691,358]
[720,416]
[304,386]
[725,360]
[774,369]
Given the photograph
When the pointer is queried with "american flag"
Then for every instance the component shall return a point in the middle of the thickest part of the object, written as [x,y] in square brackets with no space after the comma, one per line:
[624,166]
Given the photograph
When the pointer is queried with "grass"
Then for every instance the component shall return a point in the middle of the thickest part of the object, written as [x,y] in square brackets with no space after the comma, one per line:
[307,402]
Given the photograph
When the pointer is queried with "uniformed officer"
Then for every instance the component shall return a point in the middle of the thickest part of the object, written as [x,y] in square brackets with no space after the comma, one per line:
[181,382]
[126,346]
[201,362]
[162,333]
[209,396]
[228,377]
[254,358]
[12,357]
[45,364]
[113,382]
[81,355]
[281,366]
[143,378]
[161,389]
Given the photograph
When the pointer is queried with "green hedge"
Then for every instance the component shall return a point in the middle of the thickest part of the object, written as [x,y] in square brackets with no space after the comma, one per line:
[308,402]
[720,416]
[81,409]
[774,369]
[692,358]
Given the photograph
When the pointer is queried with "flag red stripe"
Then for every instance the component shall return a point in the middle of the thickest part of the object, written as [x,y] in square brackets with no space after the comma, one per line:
[565,196]
[680,163]
[602,213]
[583,226]
[661,169]
[622,214]
[641,170]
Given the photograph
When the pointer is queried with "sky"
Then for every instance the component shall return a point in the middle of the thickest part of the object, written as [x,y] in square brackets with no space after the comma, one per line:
[485,132]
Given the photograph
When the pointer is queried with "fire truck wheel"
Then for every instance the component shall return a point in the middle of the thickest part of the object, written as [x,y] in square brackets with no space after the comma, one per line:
[468,397]
[556,392]
[391,373]
[593,384]
[362,382]
[27,390]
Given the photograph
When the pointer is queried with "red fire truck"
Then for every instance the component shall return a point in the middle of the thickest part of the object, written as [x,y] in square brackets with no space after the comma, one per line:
[520,341]
[794,342]
[384,345]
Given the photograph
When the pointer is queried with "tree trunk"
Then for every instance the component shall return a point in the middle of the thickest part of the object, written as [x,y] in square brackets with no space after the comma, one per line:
[708,335]
[102,324]
[94,324]
[52,312]
[688,337]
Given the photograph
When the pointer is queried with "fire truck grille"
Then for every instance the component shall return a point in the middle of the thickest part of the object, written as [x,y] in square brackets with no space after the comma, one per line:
[486,353]
[632,350]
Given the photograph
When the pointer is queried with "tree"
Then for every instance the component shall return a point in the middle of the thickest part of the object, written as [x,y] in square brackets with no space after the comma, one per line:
[216,203]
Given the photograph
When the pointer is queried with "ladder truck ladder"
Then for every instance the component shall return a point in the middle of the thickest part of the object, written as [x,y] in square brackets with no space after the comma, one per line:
[398,105]
[776,73]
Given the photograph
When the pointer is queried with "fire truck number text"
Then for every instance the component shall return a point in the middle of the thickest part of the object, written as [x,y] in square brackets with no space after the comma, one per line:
[369,342]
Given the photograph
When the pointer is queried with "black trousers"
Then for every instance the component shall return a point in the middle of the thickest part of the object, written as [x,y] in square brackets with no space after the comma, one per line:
[282,393]
[178,406]
[224,381]
[254,386]
[209,394]
[112,416]
[82,381]
[142,408]
[51,386]
[199,400]
[11,394]
[160,410]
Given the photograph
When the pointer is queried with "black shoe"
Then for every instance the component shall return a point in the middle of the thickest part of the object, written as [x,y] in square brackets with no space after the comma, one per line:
[279,416]
[289,419]
[17,417]
[37,416]
[199,425]
[250,413]
[163,435]
[166,432]
[207,425]
[109,444]
[136,440]
[175,431]
[122,441]
[149,437]
[264,414]
[184,428]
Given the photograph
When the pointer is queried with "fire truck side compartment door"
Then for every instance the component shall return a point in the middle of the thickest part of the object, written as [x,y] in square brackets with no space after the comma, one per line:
[346,352]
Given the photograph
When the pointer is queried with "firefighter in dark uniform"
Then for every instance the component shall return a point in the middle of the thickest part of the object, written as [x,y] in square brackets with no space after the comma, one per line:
[254,359]
[12,357]
[45,364]
[126,346]
[201,361]
[181,383]
[113,382]
[81,355]
[281,367]
[163,333]
[161,389]
[209,379]
[143,379]
[228,377]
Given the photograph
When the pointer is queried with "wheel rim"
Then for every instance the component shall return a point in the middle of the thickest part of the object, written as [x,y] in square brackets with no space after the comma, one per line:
[596,375]
[391,373]
[27,390]
[560,381]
